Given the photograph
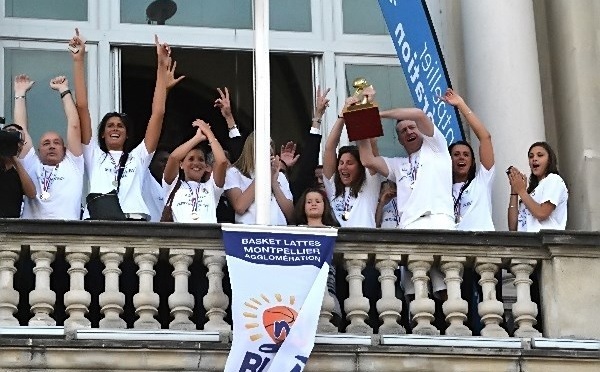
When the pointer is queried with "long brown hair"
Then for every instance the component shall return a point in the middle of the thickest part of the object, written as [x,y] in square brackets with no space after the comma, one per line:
[552,166]
[328,217]
[357,184]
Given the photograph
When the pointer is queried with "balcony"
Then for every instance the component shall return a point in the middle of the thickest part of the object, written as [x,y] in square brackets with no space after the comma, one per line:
[90,295]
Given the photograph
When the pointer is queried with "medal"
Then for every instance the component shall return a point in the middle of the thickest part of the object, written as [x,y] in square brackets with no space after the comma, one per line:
[115,183]
[346,216]
[45,195]
[194,216]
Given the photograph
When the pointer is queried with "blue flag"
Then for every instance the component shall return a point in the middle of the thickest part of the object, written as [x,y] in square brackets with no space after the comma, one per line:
[421,59]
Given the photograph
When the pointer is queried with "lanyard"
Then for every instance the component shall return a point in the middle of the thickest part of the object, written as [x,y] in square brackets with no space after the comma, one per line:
[414,169]
[47,179]
[396,216]
[116,169]
[194,196]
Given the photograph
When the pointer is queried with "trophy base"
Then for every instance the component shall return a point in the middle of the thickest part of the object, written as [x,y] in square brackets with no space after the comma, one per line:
[363,122]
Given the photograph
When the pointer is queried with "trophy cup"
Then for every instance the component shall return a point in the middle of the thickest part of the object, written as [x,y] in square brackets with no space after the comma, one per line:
[362,119]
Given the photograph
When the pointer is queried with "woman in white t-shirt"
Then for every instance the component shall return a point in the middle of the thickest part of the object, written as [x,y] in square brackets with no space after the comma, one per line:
[105,158]
[194,197]
[239,189]
[471,185]
[543,203]
[351,188]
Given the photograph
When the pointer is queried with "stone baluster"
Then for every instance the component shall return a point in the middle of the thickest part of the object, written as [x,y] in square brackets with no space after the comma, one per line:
[112,300]
[455,308]
[389,307]
[181,302]
[216,301]
[490,309]
[356,305]
[9,297]
[42,299]
[422,307]
[77,299]
[325,325]
[524,310]
[146,301]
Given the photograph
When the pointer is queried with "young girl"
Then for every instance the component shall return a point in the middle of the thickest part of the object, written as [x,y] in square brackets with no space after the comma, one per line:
[194,198]
[239,189]
[542,204]
[471,186]
[351,189]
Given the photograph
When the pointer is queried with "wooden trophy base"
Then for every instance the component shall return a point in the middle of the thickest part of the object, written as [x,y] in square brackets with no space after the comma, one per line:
[363,121]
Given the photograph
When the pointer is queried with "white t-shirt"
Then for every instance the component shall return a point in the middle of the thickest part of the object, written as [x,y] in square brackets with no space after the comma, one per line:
[154,196]
[360,211]
[551,189]
[60,186]
[235,179]
[390,218]
[194,202]
[475,208]
[102,170]
[429,172]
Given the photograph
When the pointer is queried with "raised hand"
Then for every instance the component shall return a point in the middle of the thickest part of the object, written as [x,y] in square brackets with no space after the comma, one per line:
[77,46]
[275,167]
[223,103]
[163,52]
[171,80]
[288,154]
[518,181]
[322,102]
[202,129]
[22,84]
[350,101]
[452,98]
[59,83]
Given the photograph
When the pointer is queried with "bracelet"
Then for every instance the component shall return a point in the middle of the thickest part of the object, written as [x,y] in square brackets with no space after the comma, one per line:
[63,94]
[316,120]
[512,206]
[340,116]
[17,97]
[232,128]
[511,194]
[284,163]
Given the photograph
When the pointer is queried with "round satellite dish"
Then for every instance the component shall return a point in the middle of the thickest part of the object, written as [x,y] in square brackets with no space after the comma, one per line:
[160,10]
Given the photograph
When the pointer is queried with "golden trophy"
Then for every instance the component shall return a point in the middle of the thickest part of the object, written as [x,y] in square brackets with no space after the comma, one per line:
[362,118]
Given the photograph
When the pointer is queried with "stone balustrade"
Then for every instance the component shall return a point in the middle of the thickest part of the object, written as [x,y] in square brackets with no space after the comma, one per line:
[147,276]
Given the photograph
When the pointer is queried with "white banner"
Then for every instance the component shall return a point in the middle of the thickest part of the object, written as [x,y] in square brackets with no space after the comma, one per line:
[278,277]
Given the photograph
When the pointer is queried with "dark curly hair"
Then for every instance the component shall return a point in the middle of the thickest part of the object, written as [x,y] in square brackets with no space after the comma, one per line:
[551,168]
[128,130]
[362,175]
[328,217]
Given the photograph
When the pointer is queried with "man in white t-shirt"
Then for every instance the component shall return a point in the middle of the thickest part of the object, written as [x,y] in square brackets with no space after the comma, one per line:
[423,179]
[57,171]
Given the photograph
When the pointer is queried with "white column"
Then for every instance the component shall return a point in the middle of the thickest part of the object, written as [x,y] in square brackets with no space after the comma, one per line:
[181,301]
[388,306]
[216,301]
[422,308]
[42,298]
[503,84]
[490,309]
[112,300]
[9,297]
[146,301]
[455,308]
[356,305]
[77,299]
[524,310]
[325,325]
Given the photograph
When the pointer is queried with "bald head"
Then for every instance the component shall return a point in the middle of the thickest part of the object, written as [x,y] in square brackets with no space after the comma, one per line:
[52,148]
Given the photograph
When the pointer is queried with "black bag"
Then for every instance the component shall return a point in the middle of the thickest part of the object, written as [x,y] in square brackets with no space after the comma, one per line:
[167,213]
[106,206]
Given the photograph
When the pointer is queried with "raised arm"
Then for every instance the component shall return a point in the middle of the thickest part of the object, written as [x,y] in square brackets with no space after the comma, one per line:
[176,157]
[486,149]
[61,84]
[163,52]
[77,48]
[235,142]
[369,160]
[333,140]
[220,164]
[286,205]
[21,87]
[417,115]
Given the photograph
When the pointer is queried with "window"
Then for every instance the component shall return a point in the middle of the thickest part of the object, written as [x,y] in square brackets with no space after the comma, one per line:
[363,17]
[75,10]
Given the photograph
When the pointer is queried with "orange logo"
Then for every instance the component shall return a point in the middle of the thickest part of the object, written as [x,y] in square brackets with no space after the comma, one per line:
[277,318]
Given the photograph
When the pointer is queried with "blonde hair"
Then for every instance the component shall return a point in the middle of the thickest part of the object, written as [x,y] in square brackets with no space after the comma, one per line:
[245,163]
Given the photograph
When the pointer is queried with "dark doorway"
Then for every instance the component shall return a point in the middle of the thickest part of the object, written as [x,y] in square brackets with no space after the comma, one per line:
[205,70]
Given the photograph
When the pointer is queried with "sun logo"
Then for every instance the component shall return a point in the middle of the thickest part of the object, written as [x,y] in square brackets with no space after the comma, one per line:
[277,318]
